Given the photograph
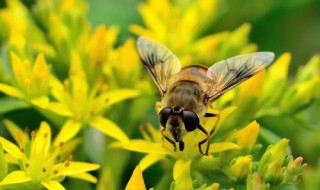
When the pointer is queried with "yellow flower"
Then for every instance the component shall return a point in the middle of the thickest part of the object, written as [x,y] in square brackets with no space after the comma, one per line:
[40,162]
[158,149]
[124,70]
[180,24]
[23,31]
[85,104]
[30,81]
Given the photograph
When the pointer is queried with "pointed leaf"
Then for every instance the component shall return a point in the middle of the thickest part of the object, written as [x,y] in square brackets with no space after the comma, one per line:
[9,104]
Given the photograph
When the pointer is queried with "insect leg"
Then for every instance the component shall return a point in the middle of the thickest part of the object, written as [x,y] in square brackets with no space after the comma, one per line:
[215,124]
[181,145]
[211,131]
[204,140]
[169,140]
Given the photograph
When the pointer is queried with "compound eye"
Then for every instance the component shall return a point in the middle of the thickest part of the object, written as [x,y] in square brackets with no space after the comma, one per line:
[164,116]
[191,120]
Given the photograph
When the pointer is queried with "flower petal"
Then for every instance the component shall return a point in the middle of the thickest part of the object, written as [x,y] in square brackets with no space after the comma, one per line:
[67,132]
[73,168]
[3,164]
[149,160]
[247,136]
[109,128]
[42,141]
[85,176]
[19,135]
[52,185]
[136,181]
[41,102]
[10,91]
[59,108]
[223,146]
[142,146]
[15,177]
[115,96]
[11,148]
[182,175]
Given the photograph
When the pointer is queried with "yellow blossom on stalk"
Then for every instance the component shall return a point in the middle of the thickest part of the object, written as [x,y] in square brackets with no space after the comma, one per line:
[124,70]
[67,26]
[40,162]
[158,149]
[18,20]
[85,104]
[30,80]
[179,24]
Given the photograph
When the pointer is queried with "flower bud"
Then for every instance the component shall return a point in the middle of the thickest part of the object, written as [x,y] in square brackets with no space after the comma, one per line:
[241,167]
[270,165]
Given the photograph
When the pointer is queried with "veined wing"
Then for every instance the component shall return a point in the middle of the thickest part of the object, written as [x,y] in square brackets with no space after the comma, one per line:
[228,73]
[159,61]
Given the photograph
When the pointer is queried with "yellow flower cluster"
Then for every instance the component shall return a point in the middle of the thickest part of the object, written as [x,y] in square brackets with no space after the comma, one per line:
[53,61]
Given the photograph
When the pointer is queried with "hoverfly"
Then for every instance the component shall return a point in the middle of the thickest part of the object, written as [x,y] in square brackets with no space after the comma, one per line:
[187,91]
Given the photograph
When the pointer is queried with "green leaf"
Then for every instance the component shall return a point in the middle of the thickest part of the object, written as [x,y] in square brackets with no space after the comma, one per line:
[8,104]
[269,136]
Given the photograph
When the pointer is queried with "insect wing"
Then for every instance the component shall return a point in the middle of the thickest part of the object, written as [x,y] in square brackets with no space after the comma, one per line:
[159,61]
[229,73]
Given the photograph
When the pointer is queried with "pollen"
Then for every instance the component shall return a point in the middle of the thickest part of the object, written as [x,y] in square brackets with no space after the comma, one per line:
[44,170]
[27,165]
[55,172]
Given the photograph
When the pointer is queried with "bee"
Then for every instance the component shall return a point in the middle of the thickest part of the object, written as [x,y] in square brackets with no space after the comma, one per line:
[186,92]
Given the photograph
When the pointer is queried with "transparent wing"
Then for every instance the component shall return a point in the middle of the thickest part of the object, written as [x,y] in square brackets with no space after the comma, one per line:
[229,73]
[159,61]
